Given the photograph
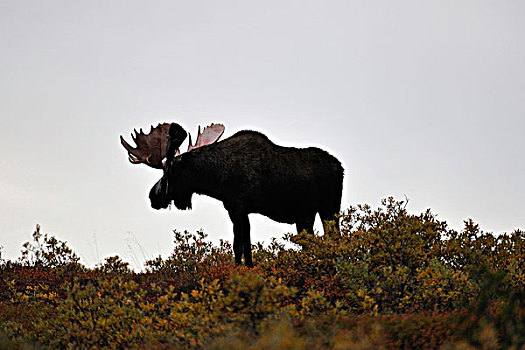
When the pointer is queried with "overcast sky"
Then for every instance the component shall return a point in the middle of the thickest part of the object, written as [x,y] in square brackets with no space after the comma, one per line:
[418,98]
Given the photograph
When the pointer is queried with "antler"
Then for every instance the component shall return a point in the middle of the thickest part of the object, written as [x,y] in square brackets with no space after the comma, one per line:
[209,135]
[151,148]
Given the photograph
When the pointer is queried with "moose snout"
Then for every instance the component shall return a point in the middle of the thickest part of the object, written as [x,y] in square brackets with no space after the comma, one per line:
[158,197]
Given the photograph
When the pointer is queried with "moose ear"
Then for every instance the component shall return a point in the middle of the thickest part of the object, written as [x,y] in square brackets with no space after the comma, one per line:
[176,135]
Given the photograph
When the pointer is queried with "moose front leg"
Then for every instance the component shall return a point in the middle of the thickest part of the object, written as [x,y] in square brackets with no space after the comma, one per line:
[241,238]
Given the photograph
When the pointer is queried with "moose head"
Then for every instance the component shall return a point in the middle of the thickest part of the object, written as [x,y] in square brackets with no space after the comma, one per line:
[163,142]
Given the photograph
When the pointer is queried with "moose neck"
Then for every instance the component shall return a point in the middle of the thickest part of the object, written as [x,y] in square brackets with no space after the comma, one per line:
[204,175]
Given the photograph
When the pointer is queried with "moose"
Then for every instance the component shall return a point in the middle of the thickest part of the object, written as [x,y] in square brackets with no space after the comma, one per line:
[247,172]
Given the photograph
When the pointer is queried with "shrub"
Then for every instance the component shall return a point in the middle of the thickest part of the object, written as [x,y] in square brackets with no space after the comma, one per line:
[47,251]
[383,261]
[388,279]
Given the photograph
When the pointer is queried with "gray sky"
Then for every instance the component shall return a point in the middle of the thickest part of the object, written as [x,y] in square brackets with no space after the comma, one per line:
[416,98]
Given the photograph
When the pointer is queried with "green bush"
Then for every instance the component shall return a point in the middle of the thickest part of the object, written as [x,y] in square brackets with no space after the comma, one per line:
[388,279]
[382,261]
[47,251]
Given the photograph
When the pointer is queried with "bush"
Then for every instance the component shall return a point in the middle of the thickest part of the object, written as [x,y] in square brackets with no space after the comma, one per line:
[383,261]
[46,251]
[388,279]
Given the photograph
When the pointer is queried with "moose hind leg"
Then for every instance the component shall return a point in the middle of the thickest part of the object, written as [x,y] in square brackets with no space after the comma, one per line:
[329,208]
[328,217]
[305,223]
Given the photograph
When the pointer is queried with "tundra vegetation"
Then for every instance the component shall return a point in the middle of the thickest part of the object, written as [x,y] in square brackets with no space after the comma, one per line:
[389,280]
